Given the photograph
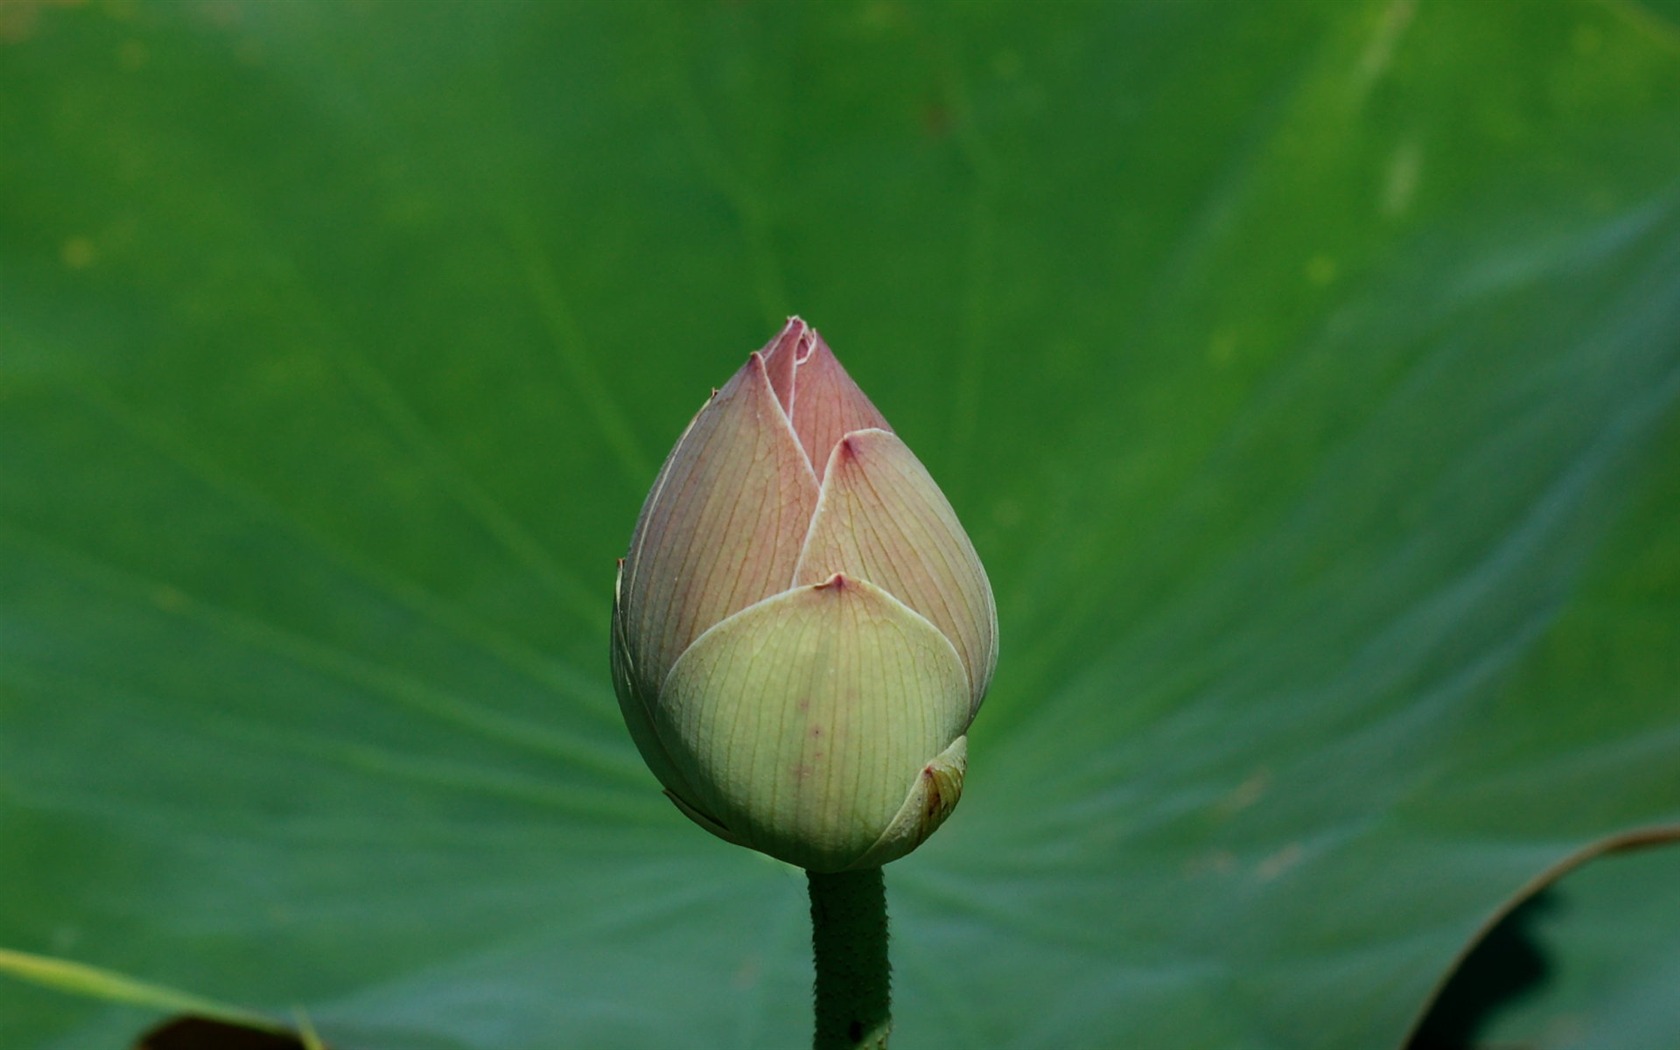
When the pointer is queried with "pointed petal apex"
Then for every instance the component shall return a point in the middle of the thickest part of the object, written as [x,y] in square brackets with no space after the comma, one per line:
[782,356]
[932,797]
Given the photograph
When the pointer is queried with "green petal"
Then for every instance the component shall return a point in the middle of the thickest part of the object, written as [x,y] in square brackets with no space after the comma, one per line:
[932,797]
[721,529]
[882,517]
[800,720]
[636,707]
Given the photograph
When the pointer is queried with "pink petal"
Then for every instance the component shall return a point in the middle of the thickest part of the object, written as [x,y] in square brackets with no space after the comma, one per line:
[783,354]
[827,405]
[721,529]
[882,518]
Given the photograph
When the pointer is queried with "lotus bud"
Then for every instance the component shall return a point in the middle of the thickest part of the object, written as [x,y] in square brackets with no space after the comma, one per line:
[802,631]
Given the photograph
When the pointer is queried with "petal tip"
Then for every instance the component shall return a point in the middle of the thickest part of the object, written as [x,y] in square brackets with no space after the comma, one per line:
[932,797]
[836,584]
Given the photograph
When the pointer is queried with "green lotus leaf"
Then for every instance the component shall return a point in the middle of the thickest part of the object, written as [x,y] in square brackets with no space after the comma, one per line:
[1305,375]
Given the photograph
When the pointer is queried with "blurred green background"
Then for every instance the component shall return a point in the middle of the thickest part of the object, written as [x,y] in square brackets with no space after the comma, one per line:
[1307,374]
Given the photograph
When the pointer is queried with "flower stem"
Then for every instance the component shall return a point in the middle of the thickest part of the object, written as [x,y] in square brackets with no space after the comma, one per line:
[849,939]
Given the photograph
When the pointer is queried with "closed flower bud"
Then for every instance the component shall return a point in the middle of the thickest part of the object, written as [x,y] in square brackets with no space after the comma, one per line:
[802,631]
